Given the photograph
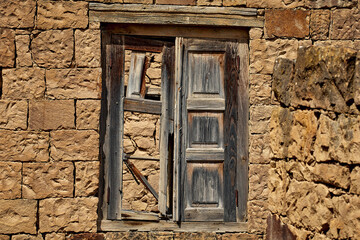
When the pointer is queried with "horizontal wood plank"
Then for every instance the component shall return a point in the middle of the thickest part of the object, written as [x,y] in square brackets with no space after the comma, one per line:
[220,227]
[135,215]
[206,214]
[142,105]
[210,155]
[206,104]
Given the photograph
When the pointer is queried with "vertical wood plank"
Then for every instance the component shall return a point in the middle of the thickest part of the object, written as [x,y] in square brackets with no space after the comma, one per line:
[115,67]
[243,132]
[135,74]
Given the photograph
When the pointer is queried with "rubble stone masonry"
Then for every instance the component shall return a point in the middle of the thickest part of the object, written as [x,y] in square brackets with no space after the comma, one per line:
[304,125]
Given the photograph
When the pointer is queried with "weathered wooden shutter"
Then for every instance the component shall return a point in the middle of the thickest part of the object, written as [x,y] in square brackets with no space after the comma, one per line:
[210,83]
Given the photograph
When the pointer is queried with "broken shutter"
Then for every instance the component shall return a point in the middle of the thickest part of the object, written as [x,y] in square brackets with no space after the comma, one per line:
[211,75]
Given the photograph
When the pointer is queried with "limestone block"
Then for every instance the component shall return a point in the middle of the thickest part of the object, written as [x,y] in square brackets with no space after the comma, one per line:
[264,52]
[24,146]
[160,236]
[73,83]
[61,14]
[260,89]
[197,236]
[331,174]
[300,3]
[257,214]
[345,24]
[87,114]
[7,46]
[13,114]
[4,237]
[70,145]
[17,13]
[86,178]
[256,33]
[129,146]
[139,1]
[154,73]
[87,48]
[209,2]
[55,236]
[126,235]
[176,2]
[43,180]
[228,3]
[88,236]
[319,24]
[141,128]
[26,237]
[338,140]
[278,185]
[53,48]
[10,180]
[260,118]
[23,54]
[355,179]
[239,236]
[354,44]
[282,80]
[286,23]
[47,115]
[258,178]
[18,216]
[23,83]
[68,214]
[260,151]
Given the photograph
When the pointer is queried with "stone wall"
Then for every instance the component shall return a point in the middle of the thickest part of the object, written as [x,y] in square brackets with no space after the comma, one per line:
[303,140]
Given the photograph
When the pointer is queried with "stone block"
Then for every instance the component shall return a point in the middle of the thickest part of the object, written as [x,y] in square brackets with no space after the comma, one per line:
[229,3]
[26,237]
[4,237]
[300,3]
[257,214]
[18,216]
[43,180]
[258,178]
[87,48]
[87,236]
[71,145]
[286,23]
[7,47]
[68,214]
[260,151]
[55,236]
[73,83]
[345,24]
[260,118]
[256,33]
[278,185]
[126,235]
[331,174]
[87,114]
[355,179]
[195,235]
[53,48]
[17,13]
[260,89]
[209,2]
[10,180]
[175,2]
[161,236]
[23,83]
[319,24]
[23,54]
[86,178]
[139,1]
[48,114]
[13,114]
[239,236]
[61,14]
[264,52]
[144,128]
[24,146]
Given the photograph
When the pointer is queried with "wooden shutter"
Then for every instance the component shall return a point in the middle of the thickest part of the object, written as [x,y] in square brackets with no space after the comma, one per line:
[210,83]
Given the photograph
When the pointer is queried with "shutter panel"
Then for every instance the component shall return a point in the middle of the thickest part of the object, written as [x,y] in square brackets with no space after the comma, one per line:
[210,84]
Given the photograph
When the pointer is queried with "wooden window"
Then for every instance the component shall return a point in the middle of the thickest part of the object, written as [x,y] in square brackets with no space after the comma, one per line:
[203,109]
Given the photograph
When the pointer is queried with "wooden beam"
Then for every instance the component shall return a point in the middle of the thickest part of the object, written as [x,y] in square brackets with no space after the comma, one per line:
[142,105]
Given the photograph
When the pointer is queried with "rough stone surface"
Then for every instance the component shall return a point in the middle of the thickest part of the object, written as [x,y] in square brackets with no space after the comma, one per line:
[43,180]
[126,235]
[346,24]
[53,48]
[18,216]
[73,83]
[7,47]
[209,2]
[286,23]
[228,3]
[87,236]
[176,2]
[10,180]
[260,151]
[24,146]
[264,52]
[355,179]
[47,115]
[160,236]
[87,48]
[4,237]
[87,114]
[86,178]
[68,214]
[300,3]
[260,118]
[257,214]
[17,13]
[13,114]
[319,24]
[239,236]
[74,145]
[256,33]
[23,83]
[23,54]
[55,236]
[61,14]
[331,174]
[258,178]
[139,1]
[260,89]
[26,237]
[198,236]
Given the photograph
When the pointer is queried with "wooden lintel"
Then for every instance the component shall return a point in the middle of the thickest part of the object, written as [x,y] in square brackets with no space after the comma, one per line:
[142,105]
[220,227]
